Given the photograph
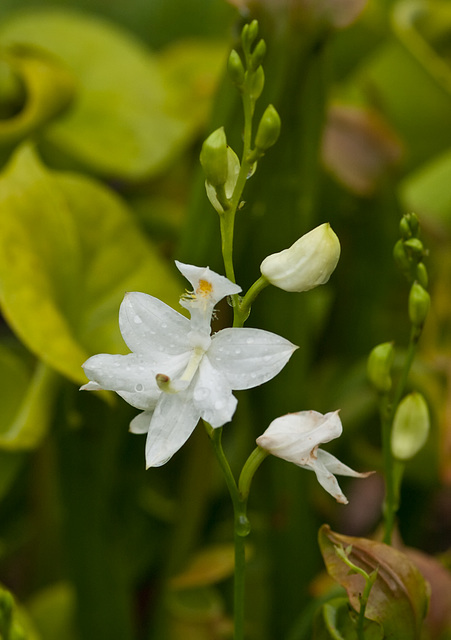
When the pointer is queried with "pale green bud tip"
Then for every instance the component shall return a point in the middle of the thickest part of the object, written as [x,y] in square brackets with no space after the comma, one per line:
[213,157]
[410,426]
[257,83]
[258,54]
[268,129]
[236,68]
[308,263]
[419,303]
[379,366]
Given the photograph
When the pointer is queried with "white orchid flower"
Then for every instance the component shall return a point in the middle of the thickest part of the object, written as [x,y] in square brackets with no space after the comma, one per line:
[296,437]
[178,372]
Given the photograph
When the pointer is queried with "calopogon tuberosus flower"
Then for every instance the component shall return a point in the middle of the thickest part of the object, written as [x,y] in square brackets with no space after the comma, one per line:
[177,372]
[308,263]
[296,437]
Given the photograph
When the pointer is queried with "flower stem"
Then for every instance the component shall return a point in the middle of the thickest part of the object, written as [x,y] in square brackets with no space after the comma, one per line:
[250,467]
[241,530]
[388,409]
[227,218]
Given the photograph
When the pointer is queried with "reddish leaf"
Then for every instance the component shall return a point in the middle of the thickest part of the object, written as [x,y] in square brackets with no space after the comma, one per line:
[400,595]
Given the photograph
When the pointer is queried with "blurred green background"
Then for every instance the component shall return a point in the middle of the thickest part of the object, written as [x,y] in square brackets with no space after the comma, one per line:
[103,108]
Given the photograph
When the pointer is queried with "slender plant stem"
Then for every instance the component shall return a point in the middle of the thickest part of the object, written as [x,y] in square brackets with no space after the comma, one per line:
[242,529]
[363,602]
[388,410]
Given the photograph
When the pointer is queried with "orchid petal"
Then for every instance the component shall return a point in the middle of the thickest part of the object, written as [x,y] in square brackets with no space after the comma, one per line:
[327,480]
[174,419]
[91,386]
[151,327]
[249,357]
[130,376]
[220,285]
[140,423]
[213,396]
[335,466]
[294,436]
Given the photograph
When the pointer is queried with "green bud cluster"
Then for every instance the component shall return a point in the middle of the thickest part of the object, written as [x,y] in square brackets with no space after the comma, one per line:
[409,253]
[409,250]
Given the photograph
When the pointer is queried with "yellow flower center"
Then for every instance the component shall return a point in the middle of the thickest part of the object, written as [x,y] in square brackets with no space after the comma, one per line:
[204,289]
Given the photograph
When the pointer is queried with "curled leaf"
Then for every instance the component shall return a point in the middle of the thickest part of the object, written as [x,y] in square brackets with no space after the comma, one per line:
[399,597]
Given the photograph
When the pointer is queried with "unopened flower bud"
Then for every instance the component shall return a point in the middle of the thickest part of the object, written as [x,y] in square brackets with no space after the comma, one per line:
[213,157]
[248,34]
[236,68]
[401,257]
[422,274]
[404,228]
[410,426]
[308,263]
[414,248]
[268,129]
[233,170]
[379,366]
[258,55]
[419,303]
[258,82]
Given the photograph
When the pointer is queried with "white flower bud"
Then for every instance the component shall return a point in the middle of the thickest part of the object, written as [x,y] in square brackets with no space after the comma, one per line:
[308,263]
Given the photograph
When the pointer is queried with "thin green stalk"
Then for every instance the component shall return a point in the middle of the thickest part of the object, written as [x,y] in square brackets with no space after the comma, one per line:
[388,410]
[227,218]
[250,467]
[369,581]
[243,310]
[241,530]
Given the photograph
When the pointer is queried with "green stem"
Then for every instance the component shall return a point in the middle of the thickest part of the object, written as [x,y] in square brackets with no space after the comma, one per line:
[227,218]
[244,307]
[369,581]
[391,503]
[241,530]
[250,467]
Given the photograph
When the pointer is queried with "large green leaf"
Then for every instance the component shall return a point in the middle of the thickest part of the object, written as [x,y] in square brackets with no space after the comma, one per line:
[122,124]
[69,250]
[25,410]
[43,88]
[399,597]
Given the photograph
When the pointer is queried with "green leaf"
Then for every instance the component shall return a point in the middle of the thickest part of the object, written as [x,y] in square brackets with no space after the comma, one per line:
[69,250]
[47,87]
[336,621]
[123,123]
[399,597]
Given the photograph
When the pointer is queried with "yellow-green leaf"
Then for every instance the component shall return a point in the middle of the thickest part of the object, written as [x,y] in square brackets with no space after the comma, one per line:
[121,124]
[69,251]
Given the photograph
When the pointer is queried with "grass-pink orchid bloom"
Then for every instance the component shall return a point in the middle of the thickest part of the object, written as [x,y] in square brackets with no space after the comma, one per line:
[177,372]
[296,437]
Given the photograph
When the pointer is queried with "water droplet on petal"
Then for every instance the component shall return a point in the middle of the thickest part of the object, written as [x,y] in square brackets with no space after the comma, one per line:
[250,340]
[201,393]
[137,320]
[139,387]
[237,351]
